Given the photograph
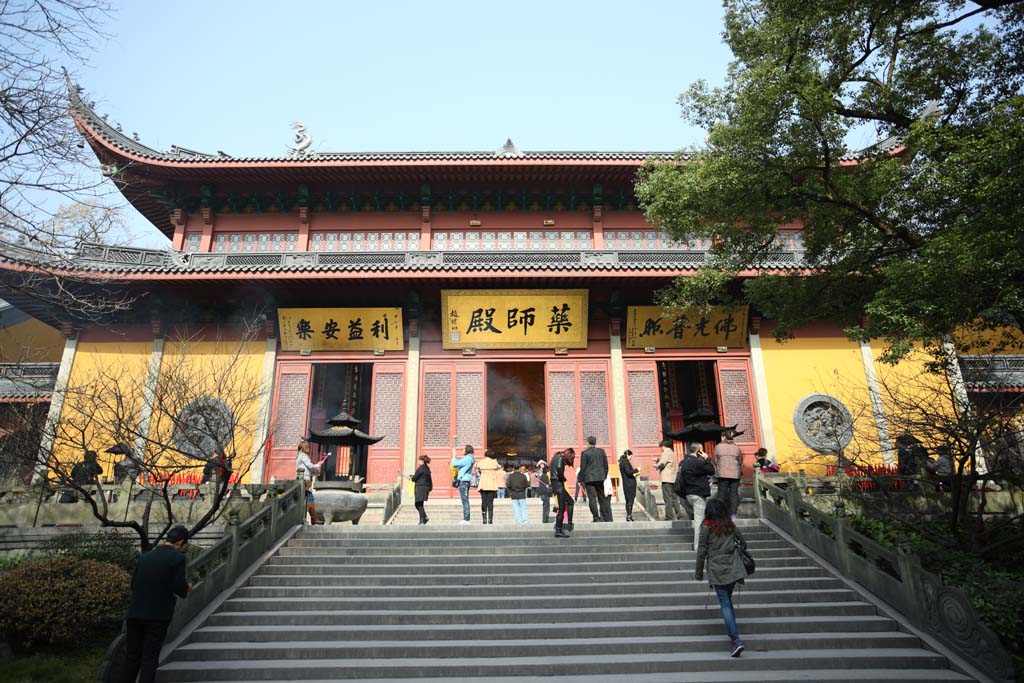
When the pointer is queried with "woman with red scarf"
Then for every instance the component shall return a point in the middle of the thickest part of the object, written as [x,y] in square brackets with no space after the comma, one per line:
[717,549]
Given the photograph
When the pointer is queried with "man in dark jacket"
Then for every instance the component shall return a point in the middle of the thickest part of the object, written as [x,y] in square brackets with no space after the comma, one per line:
[563,519]
[695,471]
[159,577]
[593,471]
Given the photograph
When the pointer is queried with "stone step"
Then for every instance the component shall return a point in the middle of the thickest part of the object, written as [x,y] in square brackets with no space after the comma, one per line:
[579,546]
[548,664]
[383,575]
[328,564]
[556,614]
[305,599]
[829,676]
[528,647]
[464,564]
[303,587]
[710,626]
[511,604]
[440,532]
[685,537]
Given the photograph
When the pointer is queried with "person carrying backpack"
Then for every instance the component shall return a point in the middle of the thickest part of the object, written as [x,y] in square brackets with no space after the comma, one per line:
[716,550]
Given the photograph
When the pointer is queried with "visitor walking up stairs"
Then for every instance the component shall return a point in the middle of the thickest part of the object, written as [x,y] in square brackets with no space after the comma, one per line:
[616,602]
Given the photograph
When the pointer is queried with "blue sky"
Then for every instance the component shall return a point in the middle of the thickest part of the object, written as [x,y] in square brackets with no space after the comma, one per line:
[390,75]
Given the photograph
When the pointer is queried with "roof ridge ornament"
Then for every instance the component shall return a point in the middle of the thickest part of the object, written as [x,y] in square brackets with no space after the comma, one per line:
[508,150]
[302,143]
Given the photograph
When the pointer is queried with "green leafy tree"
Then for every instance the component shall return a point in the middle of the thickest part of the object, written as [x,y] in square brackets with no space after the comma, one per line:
[906,239]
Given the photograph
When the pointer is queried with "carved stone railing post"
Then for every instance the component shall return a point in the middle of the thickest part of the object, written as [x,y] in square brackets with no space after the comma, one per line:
[232,531]
[839,528]
[794,499]
[758,501]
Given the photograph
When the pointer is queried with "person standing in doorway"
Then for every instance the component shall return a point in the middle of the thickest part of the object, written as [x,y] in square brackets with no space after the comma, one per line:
[717,550]
[668,467]
[465,464]
[518,482]
[593,471]
[696,471]
[423,485]
[159,577]
[628,473]
[492,477]
[729,467]
[563,518]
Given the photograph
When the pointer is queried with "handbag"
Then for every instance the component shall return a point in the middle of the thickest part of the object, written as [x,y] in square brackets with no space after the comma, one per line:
[745,557]
[474,480]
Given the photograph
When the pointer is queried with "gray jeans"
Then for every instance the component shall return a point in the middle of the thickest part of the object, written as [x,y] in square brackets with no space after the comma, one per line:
[673,505]
[695,506]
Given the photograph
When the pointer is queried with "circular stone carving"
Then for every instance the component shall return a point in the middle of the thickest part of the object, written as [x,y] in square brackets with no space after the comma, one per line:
[204,427]
[823,423]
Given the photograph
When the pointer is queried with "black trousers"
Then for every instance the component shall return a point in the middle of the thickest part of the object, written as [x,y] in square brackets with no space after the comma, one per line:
[419,509]
[600,505]
[565,505]
[545,506]
[144,639]
[487,505]
[629,488]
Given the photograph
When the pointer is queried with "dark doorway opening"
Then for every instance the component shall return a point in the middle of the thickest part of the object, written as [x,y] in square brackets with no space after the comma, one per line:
[340,387]
[686,386]
[516,406]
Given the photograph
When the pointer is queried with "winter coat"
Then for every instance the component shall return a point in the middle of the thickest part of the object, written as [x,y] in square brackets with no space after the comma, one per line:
[626,468]
[492,476]
[424,483]
[593,465]
[718,552]
[728,461]
[517,485]
[695,476]
[669,471]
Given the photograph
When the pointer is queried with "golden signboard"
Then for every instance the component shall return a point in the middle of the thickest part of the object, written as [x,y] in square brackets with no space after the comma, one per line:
[695,328]
[514,318]
[340,329]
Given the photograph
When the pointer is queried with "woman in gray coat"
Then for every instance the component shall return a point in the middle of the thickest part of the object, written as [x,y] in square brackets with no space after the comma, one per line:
[717,550]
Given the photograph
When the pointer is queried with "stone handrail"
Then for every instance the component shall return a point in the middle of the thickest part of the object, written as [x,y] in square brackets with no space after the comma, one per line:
[896,577]
[646,498]
[394,501]
[220,565]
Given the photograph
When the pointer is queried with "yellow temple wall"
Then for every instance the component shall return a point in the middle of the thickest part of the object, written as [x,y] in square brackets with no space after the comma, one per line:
[91,412]
[31,341]
[222,367]
[819,360]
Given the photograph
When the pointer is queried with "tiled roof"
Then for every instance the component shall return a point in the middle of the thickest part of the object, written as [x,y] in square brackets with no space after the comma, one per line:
[115,261]
[120,140]
[993,372]
[27,381]
[508,153]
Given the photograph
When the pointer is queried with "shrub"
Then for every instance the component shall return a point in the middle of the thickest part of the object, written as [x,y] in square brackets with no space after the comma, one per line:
[60,600]
[122,551]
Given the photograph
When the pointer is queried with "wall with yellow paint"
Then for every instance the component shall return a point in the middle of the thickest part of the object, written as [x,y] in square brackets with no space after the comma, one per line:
[817,361]
[914,396]
[214,366]
[92,408]
[31,341]
[1005,340]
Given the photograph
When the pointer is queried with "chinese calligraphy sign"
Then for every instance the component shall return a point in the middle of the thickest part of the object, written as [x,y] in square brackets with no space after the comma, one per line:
[514,318]
[340,329]
[694,328]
